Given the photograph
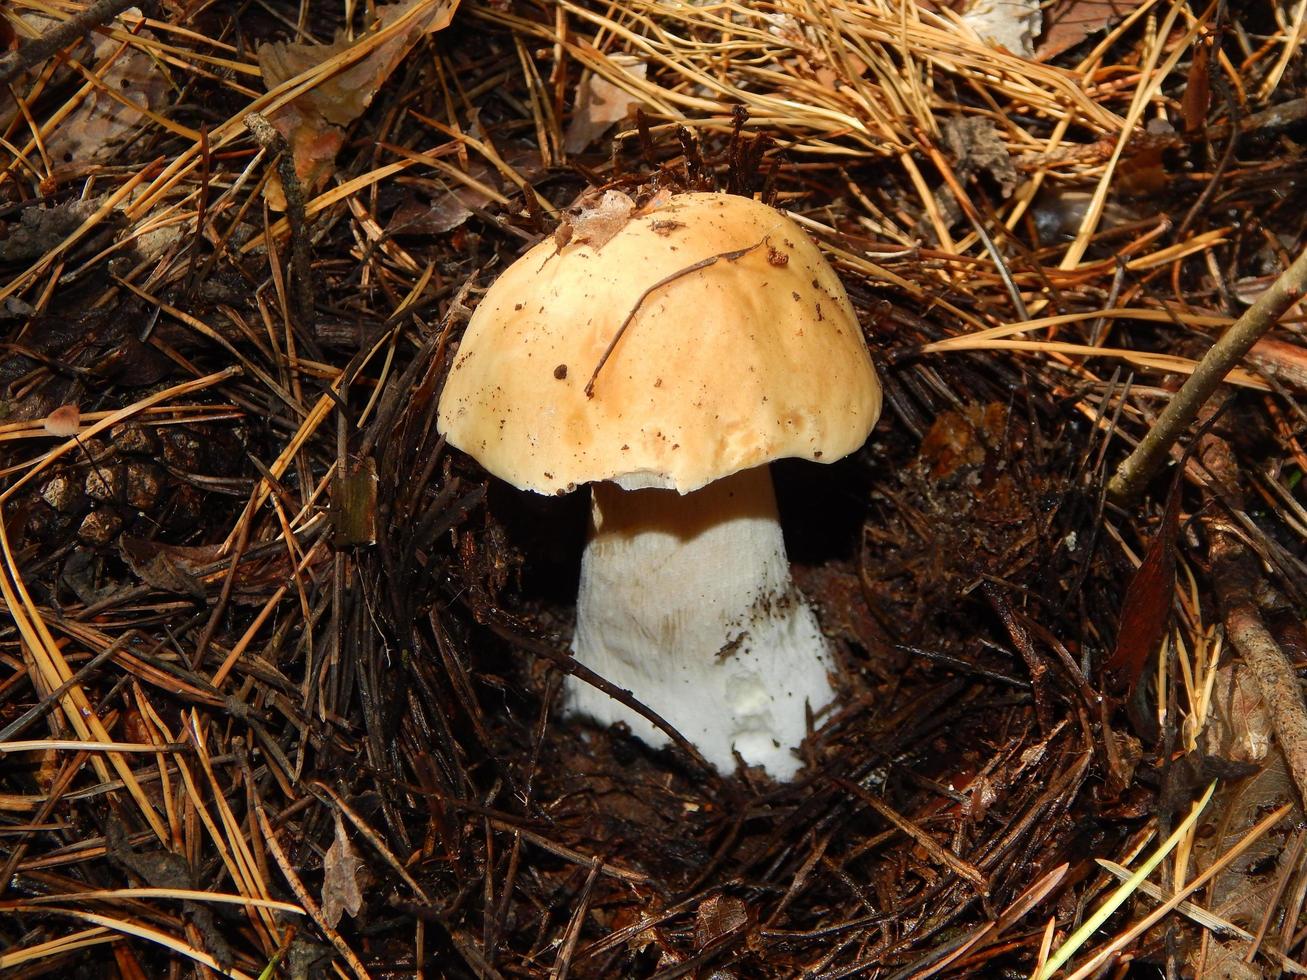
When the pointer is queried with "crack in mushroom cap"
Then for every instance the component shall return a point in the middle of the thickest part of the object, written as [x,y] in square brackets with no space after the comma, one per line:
[719,370]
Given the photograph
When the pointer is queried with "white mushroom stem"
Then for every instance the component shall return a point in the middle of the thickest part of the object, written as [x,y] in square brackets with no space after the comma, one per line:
[687,602]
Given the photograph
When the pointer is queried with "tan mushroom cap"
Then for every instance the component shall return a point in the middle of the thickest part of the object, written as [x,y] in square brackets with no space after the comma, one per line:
[720,369]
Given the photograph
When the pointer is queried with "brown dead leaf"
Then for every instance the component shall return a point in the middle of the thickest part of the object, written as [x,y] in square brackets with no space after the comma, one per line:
[1142,170]
[660,197]
[958,439]
[1198,89]
[977,147]
[1225,961]
[600,104]
[1068,22]
[1238,726]
[169,568]
[342,97]
[167,575]
[313,145]
[102,121]
[438,206]
[314,122]
[343,878]
[192,557]
[445,213]
[718,916]
[980,796]
[1146,610]
[1242,891]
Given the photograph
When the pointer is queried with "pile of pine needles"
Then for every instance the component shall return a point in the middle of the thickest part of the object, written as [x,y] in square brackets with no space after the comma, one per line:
[278,669]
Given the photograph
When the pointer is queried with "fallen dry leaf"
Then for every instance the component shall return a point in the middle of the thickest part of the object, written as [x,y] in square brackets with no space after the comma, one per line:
[313,145]
[1146,610]
[159,569]
[438,205]
[1241,892]
[600,104]
[342,879]
[977,147]
[314,122]
[101,121]
[1068,22]
[718,916]
[447,211]
[1239,725]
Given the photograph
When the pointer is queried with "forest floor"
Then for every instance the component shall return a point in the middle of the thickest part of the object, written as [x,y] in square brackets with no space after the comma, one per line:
[279,670]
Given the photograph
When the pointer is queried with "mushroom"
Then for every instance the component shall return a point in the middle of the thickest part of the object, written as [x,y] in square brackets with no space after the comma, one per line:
[667,367]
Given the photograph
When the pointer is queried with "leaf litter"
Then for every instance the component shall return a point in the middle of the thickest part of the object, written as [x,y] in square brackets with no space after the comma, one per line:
[183,578]
[313,121]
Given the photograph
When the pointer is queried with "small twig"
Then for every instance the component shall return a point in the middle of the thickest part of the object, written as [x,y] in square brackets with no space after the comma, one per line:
[51,700]
[573,933]
[570,854]
[38,49]
[95,465]
[1201,205]
[977,222]
[54,796]
[1141,465]
[738,253]
[228,583]
[1278,682]
[1236,573]
[1021,639]
[322,789]
[302,893]
[937,852]
[300,284]
[570,665]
